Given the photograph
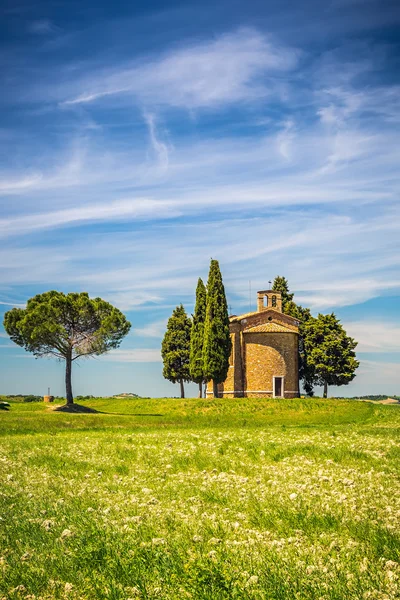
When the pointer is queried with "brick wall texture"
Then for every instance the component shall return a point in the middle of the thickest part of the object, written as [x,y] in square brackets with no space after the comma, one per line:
[264,347]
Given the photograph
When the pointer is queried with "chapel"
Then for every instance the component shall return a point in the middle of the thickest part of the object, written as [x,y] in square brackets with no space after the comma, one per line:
[264,360]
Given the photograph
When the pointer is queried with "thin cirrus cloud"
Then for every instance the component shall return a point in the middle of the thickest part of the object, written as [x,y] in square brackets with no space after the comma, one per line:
[296,190]
[42,27]
[377,336]
[225,70]
[155,329]
[379,375]
[140,355]
[160,148]
[133,209]
[124,275]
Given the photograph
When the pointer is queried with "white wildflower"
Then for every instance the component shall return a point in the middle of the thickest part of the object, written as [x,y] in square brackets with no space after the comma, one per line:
[66,533]
[158,541]
[253,580]
[310,569]
[26,556]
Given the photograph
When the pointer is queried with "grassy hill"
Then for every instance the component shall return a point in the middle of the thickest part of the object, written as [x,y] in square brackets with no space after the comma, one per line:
[137,414]
[213,499]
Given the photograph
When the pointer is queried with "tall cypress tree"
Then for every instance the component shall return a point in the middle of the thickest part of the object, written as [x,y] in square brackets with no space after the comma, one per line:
[197,337]
[217,340]
[175,349]
[281,285]
[303,315]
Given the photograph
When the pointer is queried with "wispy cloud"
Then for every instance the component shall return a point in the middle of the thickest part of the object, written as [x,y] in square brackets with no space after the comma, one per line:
[16,304]
[42,27]
[225,70]
[285,139]
[345,292]
[331,260]
[137,208]
[375,336]
[138,355]
[155,329]
[159,147]
[384,376]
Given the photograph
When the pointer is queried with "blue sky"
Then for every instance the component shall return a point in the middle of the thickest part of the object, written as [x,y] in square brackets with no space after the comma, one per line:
[139,140]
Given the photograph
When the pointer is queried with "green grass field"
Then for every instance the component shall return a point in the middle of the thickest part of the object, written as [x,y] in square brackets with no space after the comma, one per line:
[203,499]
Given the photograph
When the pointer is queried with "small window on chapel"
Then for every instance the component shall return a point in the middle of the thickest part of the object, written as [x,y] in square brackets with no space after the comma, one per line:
[273,300]
[265,301]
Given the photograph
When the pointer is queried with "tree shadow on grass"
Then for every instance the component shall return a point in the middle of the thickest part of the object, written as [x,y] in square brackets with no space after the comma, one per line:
[78,408]
[101,412]
[74,408]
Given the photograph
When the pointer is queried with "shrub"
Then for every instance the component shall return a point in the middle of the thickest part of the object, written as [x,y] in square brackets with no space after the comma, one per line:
[32,398]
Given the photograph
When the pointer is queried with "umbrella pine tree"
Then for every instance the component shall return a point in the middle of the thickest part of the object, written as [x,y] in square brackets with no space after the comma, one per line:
[68,327]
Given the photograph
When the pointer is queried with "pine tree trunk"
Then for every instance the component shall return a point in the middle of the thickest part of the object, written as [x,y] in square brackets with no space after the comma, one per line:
[325,389]
[200,389]
[215,389]
[68,383]
[182,388]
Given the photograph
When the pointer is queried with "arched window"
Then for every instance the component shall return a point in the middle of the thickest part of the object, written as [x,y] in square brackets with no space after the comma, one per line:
[273,300]
[265,301]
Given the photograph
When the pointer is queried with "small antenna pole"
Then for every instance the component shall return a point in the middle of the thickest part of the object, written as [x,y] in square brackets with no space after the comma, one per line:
[48,391]
[249,296]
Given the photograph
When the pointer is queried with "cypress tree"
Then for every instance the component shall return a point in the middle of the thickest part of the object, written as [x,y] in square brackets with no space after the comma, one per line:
[281,285]
[303,315]
[197,337]
[175,349]
[217,340]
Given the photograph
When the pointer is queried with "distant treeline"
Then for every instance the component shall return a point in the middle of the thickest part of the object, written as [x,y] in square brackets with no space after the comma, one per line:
[22,397]
[369,397]
[32,397]
[35,398]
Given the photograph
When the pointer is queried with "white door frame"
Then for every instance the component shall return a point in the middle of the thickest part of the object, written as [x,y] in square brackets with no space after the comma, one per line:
[283,386]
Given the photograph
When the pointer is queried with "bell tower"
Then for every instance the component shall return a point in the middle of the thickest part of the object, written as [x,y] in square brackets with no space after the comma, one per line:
[267,299]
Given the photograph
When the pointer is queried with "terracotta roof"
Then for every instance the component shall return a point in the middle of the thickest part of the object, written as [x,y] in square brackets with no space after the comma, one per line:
[234,318]
[237,318]
[270,328]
